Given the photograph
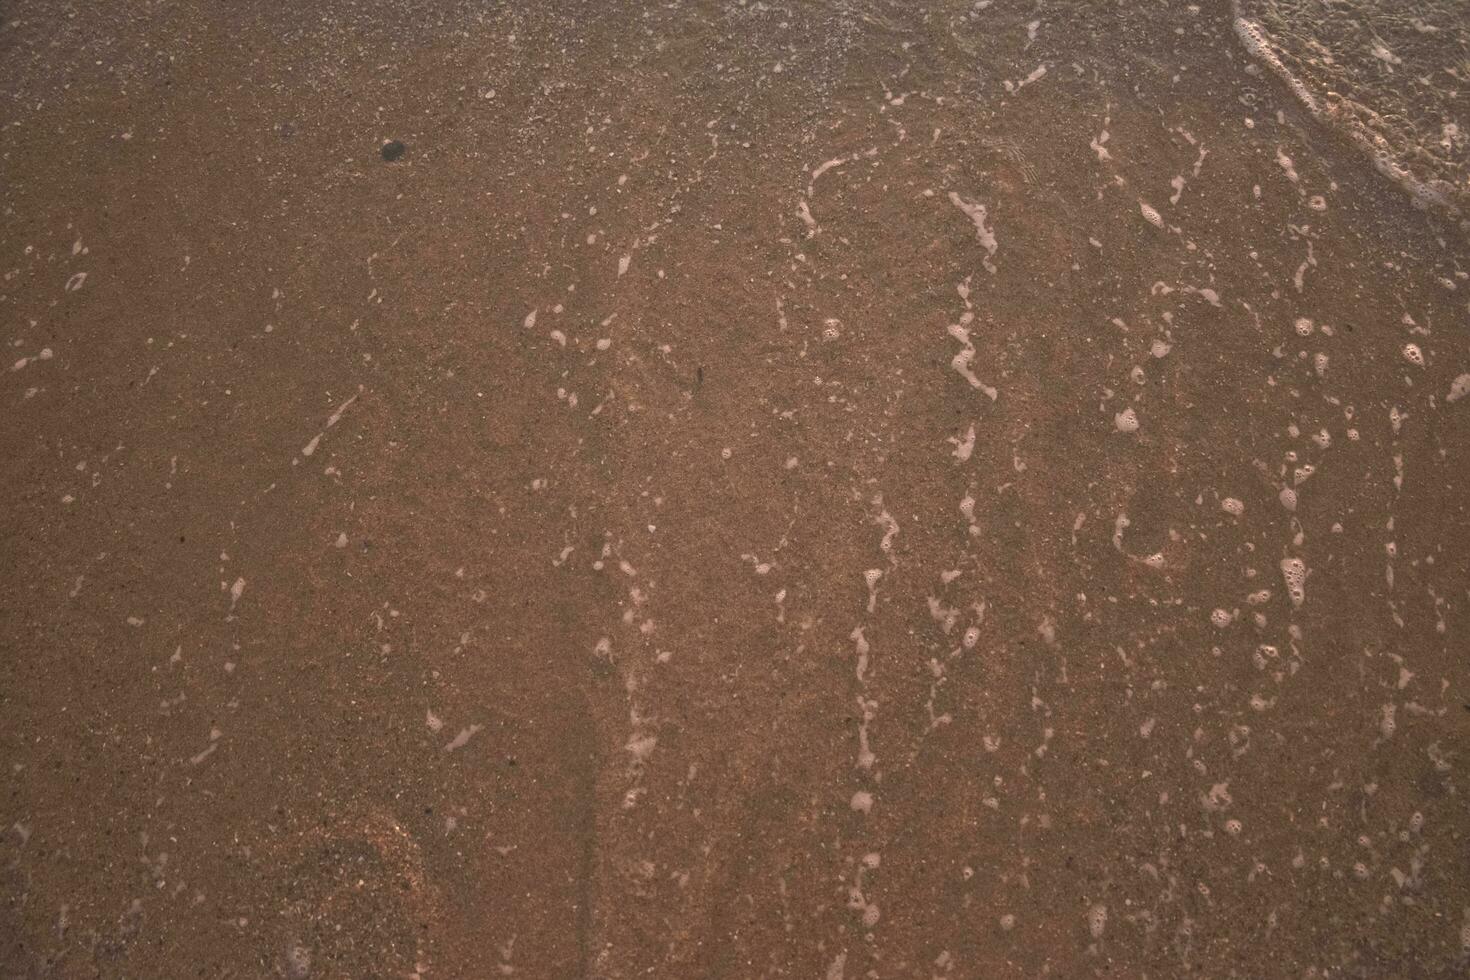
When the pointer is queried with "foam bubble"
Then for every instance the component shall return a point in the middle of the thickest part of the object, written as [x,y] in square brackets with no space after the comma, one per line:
[978,215]
[1253,39]
[1294,571]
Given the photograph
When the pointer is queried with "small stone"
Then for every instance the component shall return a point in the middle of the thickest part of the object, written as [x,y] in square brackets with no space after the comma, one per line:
[393,150]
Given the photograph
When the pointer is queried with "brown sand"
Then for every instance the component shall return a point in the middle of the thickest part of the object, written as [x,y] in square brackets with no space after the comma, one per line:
[679,630]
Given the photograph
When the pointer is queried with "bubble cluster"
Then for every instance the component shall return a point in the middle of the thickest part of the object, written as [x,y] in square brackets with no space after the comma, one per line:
[1097,919]
[1294,571]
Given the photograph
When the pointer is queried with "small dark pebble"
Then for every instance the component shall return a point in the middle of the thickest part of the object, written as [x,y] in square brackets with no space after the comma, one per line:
[393,150]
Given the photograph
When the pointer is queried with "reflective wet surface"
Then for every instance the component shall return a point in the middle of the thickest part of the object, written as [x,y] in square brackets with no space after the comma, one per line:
[720,489]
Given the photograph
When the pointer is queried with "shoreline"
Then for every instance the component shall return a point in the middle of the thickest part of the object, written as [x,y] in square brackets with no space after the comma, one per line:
[1435,195]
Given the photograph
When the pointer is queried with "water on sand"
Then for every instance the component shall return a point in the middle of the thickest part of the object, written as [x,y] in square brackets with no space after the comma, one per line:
[727,489]
[1393,76]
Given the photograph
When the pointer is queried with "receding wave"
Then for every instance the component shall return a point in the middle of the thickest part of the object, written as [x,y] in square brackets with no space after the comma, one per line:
[1394,75]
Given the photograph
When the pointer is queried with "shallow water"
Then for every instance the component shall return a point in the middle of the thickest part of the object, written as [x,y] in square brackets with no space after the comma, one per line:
[1394,74]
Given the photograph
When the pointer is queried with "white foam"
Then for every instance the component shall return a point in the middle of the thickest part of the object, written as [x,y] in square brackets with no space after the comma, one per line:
[640,746]
[1036,75]
[871,577]
[860,644]
[961,363]
[1253,38]
[961,331]
[890,530]
[463,738]
[1287,165]
[1294,571]
[823,168]
[332,420]
[964,447]
[865,757]
[805,214]
[976,212]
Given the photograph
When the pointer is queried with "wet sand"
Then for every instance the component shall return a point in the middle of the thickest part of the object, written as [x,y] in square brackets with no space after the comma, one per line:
[820,490]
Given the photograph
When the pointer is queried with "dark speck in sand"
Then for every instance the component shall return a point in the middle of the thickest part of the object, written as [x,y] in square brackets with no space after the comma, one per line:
[393,150]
